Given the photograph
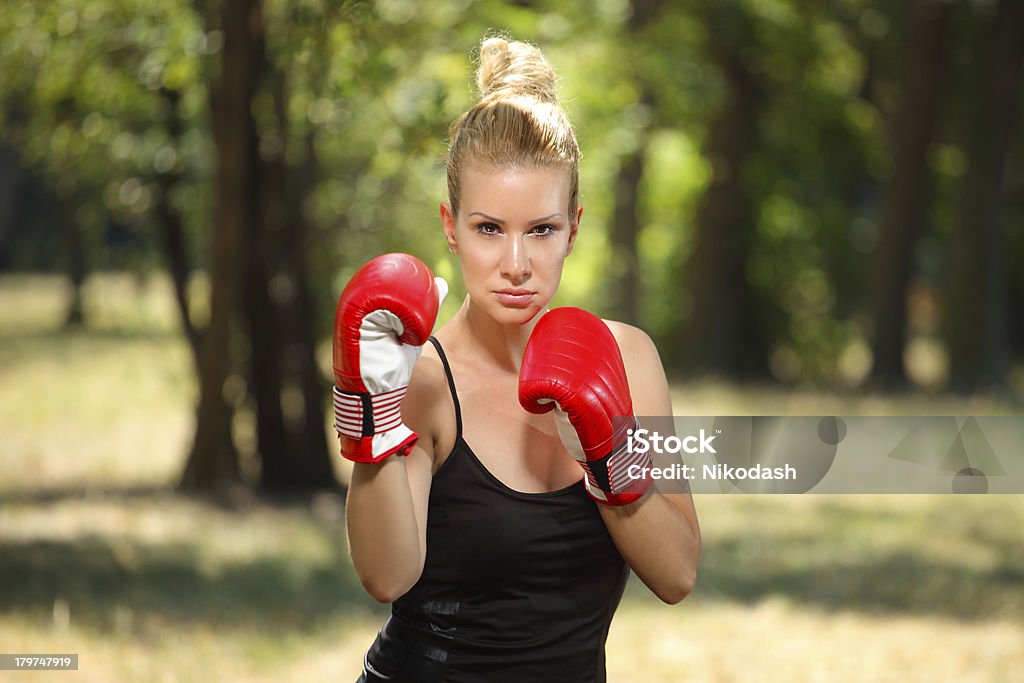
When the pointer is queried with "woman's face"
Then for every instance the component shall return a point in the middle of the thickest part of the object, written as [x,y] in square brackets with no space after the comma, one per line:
[512,234]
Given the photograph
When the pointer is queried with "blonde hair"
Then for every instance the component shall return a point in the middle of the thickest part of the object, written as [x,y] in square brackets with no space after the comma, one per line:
[517,121]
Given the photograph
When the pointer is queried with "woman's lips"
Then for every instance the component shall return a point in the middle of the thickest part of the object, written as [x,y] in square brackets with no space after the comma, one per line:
[514,297]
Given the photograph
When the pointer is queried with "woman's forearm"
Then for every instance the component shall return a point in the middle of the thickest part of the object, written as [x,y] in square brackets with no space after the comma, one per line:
[383,531]
[660,540]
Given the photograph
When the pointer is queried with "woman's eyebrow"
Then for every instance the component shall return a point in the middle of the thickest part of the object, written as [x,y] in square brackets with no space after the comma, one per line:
[490,218]
[501,222]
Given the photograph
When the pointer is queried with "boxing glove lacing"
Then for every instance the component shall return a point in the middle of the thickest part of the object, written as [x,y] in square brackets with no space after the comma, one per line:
[611,473]
[361,415]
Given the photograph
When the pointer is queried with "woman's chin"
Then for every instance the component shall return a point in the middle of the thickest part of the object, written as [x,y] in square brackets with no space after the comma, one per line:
[516,315]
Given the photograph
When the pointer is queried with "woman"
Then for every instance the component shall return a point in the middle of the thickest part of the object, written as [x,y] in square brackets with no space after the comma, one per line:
[502,560]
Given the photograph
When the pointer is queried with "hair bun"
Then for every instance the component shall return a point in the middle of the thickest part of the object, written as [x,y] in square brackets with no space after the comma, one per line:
[517,123]
[513,68]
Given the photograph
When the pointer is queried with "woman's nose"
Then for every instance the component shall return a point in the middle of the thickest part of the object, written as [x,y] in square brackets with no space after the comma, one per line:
[515,260]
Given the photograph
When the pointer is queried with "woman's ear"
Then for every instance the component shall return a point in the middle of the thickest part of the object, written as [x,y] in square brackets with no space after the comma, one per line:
[574,228]
[448,223]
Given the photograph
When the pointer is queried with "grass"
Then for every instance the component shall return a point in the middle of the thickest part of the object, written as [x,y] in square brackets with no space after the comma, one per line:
[100,557]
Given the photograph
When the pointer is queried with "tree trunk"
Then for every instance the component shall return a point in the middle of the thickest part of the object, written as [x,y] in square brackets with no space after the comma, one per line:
[293,454]
[976,298]
[624,233]
[906,203]
[315,460]
[213,463]
[172,230]
[712,335]
[266,339]
[75,246]
[11,175]
[264,320]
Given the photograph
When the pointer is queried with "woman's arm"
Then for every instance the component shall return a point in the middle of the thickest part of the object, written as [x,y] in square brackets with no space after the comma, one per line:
[386,507]
[658,535]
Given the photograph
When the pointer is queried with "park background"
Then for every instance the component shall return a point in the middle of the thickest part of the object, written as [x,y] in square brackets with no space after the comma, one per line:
[813,207]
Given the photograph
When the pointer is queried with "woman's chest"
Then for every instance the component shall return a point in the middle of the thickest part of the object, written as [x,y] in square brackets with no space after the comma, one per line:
[522,450]
[477,529]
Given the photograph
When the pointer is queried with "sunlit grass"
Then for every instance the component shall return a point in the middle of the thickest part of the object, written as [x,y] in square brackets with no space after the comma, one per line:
[776,640]
[719,398]
[99,556]
[91,408]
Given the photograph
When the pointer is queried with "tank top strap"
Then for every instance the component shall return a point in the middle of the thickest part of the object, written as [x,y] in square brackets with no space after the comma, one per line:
[451,386]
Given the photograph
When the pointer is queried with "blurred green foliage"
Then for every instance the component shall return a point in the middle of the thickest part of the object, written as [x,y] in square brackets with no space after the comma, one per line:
[371,88]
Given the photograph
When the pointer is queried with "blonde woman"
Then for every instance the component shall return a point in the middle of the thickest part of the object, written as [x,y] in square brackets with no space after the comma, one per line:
[490,502]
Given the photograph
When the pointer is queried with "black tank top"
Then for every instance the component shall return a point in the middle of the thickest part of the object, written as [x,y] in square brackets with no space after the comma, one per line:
[515,586]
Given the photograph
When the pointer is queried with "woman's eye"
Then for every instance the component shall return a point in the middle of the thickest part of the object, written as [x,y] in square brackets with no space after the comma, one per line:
[488,229]
[545,230]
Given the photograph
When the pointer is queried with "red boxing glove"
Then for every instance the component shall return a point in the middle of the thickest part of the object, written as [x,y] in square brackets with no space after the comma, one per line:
[383,319]
[572,364]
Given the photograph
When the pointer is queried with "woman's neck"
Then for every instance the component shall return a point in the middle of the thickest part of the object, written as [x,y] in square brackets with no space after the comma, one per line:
[502,345]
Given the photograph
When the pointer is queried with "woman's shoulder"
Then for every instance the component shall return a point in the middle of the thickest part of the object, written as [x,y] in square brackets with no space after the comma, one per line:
[424,409]
[631,339]
[644,370]
[428,377]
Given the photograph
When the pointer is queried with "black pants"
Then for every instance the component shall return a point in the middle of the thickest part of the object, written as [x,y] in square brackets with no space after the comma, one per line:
[401,654]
